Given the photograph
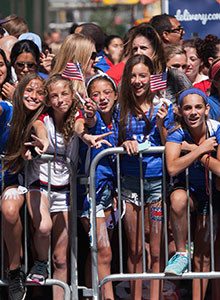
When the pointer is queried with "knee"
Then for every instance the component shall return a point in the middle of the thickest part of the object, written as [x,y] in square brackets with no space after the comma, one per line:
[59,261]
[10,211]
[135,254]
[44,228]
[178,202]
[105,255]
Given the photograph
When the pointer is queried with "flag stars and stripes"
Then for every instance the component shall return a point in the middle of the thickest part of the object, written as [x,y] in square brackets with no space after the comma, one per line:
[72,71]
[158,82]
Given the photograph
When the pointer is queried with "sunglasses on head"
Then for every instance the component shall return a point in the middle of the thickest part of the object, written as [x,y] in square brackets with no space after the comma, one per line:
[22,65]
[93,55]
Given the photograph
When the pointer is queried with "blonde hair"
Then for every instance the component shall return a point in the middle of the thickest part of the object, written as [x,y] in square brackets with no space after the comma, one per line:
[75,48]
[68,127]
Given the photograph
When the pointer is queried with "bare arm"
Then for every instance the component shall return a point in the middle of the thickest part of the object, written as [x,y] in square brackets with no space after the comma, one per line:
[212,163]
[41,141]
[176,163]
[89,139]
[161,114]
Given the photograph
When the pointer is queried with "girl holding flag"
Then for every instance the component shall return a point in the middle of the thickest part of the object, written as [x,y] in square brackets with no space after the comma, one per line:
[143,117]
[79,50]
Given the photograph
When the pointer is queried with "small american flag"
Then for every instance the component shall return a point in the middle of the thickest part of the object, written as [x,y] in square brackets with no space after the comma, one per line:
[158,82]
[73,71]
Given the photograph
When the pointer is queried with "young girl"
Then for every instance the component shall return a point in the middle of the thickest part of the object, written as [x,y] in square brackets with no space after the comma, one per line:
[28,104]
[140,120]
[203,136]
[103,92]
[49,212]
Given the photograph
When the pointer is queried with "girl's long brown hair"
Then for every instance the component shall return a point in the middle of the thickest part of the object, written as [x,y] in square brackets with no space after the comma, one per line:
[127,100]
[21,125]
[147,31]
[69,123]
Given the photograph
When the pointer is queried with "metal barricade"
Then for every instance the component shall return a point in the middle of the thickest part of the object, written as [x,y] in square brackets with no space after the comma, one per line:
[121,276]
[49,281]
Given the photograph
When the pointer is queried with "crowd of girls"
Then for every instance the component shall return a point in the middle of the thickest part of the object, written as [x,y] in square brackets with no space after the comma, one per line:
[76,116]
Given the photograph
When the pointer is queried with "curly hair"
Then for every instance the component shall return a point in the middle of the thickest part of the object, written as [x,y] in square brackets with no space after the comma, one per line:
[196,44]
[209,48]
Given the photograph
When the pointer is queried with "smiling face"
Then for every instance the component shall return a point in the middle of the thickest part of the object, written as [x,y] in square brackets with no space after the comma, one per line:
[141,45]
[193,63]
[103,94]
[194,111]
[34,94]
[3,70]
[60,97]
[140,78]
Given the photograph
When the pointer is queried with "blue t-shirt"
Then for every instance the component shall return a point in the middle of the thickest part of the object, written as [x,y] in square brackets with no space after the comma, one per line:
[105,171]
[136,130]
[214,103]
[196,169]
[102,64]
[5,119]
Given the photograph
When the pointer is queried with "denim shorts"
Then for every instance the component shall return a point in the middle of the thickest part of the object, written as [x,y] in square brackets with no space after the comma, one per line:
[130,187]
[106,196]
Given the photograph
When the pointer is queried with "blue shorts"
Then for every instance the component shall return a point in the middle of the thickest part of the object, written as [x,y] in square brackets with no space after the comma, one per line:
[131,190]
[105,200]
[9,180]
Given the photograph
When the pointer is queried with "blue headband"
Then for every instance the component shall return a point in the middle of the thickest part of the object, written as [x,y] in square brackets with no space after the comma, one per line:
[192,91]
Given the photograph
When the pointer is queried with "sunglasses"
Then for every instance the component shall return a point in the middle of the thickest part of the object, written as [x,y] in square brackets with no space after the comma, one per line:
[179,29]
[93,55]
[178,66]
[22,65]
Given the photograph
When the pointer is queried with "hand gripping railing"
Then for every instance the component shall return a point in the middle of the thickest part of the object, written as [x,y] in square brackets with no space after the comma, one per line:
[96,285]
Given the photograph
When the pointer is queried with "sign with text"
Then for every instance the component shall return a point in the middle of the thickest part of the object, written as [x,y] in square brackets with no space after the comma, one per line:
[198,17]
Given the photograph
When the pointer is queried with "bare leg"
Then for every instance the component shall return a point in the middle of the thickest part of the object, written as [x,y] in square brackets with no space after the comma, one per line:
[155,245]
[147,238]
[12,227]
[132,224]
[38,207]
[216,282]
[178,215]
[201,256]
[60,246]
[104,255]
